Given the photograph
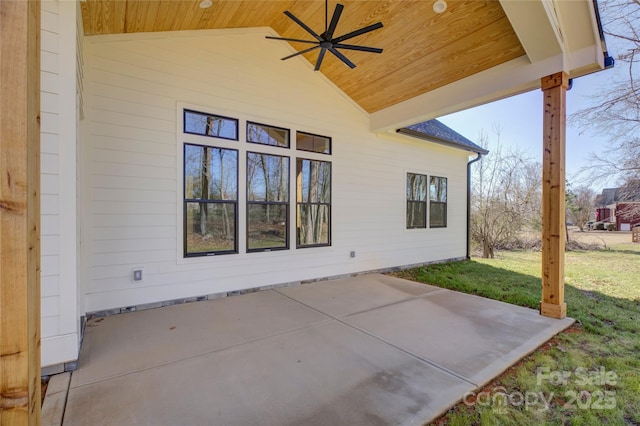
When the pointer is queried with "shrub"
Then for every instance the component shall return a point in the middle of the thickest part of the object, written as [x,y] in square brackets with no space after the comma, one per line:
[611,227]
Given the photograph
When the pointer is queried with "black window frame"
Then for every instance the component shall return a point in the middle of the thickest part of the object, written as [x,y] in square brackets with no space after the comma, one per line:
[444,204]
[184,124]
[418,202]
[288,146]
[287,204]
[186,200]
[329,204]
[314,135]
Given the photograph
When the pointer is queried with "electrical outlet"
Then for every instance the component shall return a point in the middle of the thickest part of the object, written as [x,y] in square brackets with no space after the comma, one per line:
[137,274]
[352,254]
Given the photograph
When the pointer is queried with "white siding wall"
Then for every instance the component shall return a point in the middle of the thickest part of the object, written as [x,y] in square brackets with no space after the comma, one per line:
[134,86]
[58,237]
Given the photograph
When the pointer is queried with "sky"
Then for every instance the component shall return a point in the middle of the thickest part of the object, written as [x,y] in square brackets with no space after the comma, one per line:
[519,119]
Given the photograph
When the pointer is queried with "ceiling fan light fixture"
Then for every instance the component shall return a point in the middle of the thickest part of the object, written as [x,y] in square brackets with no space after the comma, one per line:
[439,6]
[205,4]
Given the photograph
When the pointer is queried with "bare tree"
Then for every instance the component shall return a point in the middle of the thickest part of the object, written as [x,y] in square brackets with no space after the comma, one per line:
[615,110]
[505,197]
[580,205]
[205,179]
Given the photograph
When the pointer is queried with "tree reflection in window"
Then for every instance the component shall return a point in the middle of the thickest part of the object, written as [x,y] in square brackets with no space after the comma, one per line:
[199,123]
[313,203]
[416,201]
[210,200]
[437,202]
[267,135]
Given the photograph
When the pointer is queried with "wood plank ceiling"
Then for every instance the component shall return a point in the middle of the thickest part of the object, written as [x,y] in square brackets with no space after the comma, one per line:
[422,50]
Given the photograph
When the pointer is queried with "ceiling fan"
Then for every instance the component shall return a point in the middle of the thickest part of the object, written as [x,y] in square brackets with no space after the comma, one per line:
[326,41]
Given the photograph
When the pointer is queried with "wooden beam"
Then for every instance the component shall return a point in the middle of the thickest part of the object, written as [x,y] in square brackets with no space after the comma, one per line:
[20,212]
[554,88]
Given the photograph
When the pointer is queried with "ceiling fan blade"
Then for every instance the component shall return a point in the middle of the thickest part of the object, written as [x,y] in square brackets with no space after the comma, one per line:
[361,48]
[342,58]
[334,22]
[302,52]
[291,39]
[303,25]
[356,33]
[320,58]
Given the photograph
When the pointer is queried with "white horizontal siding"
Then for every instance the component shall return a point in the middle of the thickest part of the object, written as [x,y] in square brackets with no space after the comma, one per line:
[49,285]
[48,82]
[133,88]
[133,232]
[59,317]
[50,265]
[49,170]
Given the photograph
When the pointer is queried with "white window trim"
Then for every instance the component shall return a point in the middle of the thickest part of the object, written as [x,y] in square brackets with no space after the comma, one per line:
[243,147]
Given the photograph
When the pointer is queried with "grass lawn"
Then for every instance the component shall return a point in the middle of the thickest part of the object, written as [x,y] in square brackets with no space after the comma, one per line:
[588,375]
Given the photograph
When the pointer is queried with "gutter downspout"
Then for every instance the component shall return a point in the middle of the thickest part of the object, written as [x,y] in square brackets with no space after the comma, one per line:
[469,204]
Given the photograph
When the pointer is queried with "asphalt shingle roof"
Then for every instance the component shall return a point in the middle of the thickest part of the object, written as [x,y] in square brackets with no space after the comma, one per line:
[435,131]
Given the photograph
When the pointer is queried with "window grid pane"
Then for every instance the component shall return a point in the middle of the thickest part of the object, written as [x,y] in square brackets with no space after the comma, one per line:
[416,187]
[416,201]
[267,226]
[210,227]
[314,203]
[313,143]
[210,200]
[267,202]
[267,177]
[313,222]
[416,214]
[267,135]
[437,202]
[199,123]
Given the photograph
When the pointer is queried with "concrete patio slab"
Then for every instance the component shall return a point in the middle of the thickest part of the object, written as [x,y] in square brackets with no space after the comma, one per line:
[121,344]
[332,356]
[327,374]
[342,297]
[474,337]
[55,399]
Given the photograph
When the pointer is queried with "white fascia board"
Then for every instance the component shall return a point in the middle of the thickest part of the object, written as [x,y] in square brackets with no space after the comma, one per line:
[581,29]
[537,26]
[516,76]
[508,79]
[586,61]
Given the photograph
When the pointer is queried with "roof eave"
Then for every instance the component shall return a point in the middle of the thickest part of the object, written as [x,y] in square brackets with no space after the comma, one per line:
[452,144]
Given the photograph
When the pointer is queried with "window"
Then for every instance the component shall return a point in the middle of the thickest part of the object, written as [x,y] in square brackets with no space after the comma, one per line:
[267,135]
[210,200]
[437,202]
[267,202]
[313,203]
[313,143]
[416,201]
[211,183]
[199,123]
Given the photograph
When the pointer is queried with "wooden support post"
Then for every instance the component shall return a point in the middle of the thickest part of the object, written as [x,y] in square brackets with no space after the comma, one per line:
[20,212]
[553,195]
